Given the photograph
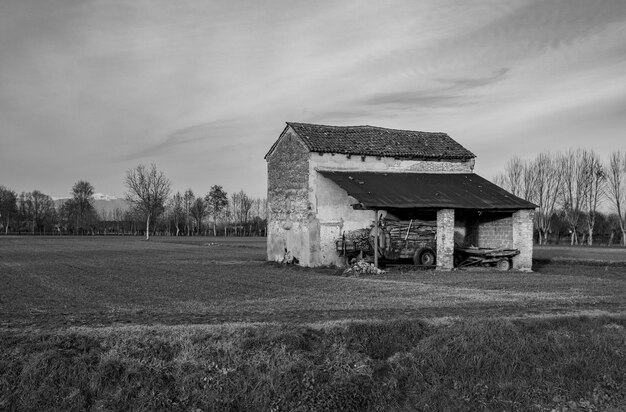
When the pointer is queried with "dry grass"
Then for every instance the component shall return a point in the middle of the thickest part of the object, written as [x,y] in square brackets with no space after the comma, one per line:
[564,364]
[201,323]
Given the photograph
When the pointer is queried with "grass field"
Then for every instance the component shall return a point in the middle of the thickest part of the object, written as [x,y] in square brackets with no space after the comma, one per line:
[569,254]
[206,323]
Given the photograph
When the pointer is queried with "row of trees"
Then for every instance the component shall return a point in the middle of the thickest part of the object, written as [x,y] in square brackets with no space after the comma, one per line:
[33,209]
[150,201]
[36,212]
[149,193]
[215,212]
[572,187]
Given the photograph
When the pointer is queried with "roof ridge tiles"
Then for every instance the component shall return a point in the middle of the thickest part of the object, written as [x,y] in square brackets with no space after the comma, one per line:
[363,126]
[379,141]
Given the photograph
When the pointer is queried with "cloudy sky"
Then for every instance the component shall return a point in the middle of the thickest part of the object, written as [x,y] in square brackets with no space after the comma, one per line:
[90,89]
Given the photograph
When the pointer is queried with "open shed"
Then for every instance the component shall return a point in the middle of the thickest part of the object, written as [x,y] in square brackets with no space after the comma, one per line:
[468,209]
[326,181]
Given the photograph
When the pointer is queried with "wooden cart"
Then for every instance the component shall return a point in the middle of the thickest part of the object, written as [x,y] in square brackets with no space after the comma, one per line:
[412,239]
[471,256]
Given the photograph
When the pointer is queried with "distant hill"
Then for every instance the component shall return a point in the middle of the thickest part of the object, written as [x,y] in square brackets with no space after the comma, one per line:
[104,204]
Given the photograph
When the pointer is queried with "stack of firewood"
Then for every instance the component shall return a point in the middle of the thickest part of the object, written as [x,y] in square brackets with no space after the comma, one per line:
[354,241]
[403,234]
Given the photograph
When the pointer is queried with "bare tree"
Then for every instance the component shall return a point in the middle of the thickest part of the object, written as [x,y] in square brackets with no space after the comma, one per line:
[240,209]
[518,178]
[178,214]
[198,211]
[39,208]
[188,199]
[258,214]
[217,200]
[529,181]
[241,206]
[8,207]
[616,188]
[512,178]
[500,180]
[82,201]
[148,190]
[594,175]
[548,178]
[228,217]
[574,189]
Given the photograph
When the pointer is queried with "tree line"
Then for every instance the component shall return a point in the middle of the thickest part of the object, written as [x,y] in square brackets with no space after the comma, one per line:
[571,189]
[152,210]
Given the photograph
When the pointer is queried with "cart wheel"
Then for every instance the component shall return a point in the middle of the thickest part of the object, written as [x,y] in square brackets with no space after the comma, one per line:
[425,257]
[503,264]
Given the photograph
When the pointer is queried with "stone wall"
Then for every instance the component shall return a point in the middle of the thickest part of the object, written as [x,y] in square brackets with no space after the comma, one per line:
[288,200]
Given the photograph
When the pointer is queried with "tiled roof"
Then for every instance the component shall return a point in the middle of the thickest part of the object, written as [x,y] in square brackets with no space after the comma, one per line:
[378,141]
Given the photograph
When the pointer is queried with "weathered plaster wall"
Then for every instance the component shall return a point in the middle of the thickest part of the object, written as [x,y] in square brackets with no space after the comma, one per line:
[327,161]
[289,213]
[335,215]
[522,235]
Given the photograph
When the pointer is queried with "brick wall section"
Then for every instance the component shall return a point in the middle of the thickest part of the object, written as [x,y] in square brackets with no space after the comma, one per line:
[287,198]
[491,230]
[523,239]
[429,166]
[445,239]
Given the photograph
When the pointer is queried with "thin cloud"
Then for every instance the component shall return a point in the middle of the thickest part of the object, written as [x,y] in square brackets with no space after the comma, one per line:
[466,83]
[455,94]
[188,136]
[427,98]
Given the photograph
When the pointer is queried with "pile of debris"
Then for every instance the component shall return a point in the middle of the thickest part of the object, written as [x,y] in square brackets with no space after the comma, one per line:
[289,259]
[361,267]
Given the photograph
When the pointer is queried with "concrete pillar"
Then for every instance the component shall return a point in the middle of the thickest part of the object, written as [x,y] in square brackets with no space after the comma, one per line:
[523,239]
[445,239]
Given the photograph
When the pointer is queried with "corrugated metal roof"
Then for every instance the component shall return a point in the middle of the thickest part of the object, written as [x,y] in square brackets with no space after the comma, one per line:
[426,190]
[378,141]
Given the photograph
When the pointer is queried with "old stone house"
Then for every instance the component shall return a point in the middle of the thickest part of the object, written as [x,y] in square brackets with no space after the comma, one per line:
[326,180]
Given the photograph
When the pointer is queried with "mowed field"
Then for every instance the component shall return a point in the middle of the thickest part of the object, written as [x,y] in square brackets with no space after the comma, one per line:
[51,282]
[205,324]
[592,255]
